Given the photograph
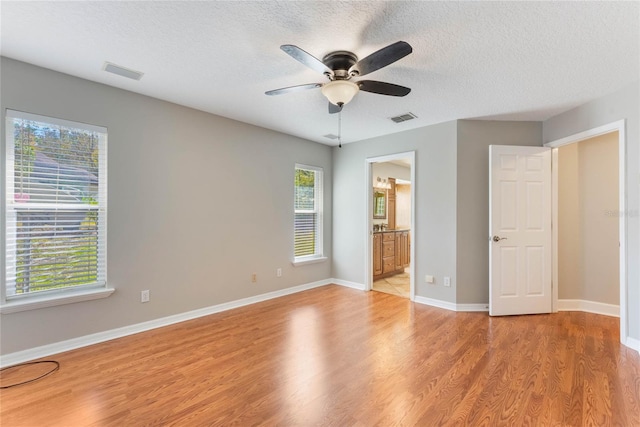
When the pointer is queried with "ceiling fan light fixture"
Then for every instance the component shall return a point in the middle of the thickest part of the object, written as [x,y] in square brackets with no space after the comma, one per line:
[340,92]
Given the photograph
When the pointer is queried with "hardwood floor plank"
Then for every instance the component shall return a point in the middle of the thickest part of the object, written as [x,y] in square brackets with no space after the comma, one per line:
[334,356]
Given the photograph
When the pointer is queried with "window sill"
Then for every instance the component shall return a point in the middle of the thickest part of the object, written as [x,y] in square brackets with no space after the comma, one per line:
[301,262]
[36,302]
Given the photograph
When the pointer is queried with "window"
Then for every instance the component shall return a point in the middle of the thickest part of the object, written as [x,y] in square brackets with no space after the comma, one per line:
[56,202]
[307,227]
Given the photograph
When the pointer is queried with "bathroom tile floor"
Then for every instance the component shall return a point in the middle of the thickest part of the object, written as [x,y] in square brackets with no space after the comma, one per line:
[398,284]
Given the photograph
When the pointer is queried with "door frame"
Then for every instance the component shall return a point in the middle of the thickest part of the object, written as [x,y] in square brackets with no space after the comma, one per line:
[368,230]
[618,126]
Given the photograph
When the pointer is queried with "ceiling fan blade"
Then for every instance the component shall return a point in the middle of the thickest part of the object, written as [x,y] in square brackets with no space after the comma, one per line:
[306,58]
[333,108]
[383,88]
[293,89]
[382,58]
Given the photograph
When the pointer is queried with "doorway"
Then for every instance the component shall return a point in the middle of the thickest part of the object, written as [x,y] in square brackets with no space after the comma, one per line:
[607,303]
[390,181]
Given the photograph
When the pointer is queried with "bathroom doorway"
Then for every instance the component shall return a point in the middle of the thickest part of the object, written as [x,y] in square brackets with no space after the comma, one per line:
[390,213]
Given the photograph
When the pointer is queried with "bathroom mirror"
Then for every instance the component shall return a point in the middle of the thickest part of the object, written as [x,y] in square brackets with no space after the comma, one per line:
[379,204]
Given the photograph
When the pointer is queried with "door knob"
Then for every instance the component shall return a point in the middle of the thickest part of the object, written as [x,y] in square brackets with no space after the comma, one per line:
[497,239]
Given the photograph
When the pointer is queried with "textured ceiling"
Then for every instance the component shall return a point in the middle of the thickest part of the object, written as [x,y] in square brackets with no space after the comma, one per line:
[490,60]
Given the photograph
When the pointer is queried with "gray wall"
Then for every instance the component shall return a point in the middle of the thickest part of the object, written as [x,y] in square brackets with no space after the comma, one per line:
[623,104]
[452,203]
[196,204]
[474,138]
[434,236]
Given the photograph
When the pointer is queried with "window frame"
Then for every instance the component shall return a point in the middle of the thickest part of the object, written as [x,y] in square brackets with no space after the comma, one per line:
[318,210]
[10,208]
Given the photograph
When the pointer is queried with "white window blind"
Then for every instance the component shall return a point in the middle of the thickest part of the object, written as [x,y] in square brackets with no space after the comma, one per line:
[56,206]
[307,212]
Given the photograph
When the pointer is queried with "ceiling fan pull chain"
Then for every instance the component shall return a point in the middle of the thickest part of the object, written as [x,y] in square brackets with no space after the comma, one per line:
[340,129]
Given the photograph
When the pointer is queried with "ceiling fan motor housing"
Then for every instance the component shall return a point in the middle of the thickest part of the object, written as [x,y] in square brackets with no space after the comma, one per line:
[340,62]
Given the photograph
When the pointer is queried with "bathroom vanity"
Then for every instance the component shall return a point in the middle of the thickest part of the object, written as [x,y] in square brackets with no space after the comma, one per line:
[391,252]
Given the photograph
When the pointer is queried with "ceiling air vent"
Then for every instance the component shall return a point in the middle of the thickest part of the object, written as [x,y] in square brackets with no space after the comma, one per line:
[121,71]
[404,117]
[331,136]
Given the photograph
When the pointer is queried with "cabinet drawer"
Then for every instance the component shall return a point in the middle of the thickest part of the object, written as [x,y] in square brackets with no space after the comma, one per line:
[388,249]
[388,264]
[386,237]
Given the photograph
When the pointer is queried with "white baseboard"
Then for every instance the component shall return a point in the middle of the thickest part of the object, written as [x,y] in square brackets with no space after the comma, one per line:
[74,343]
[450,305]
[473,307]
[353,285]
[589,307]
[435,303]
[633,343]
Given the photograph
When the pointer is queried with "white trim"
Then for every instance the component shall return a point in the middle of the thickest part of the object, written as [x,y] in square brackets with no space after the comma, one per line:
[587,134]
[589,307]
[618,126]
[435,303]
[314,260]
[318,210]
[35,302]
[368,223]
[633,343]
[10,302]
[14,114]
[451,306]
[554,230]
[473,307]
[347,284]
[74,343]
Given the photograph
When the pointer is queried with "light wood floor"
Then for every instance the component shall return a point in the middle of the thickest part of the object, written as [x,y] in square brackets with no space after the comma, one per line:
[334,356]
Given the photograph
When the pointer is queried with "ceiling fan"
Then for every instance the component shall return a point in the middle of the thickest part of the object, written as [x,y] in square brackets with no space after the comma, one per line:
[340,66]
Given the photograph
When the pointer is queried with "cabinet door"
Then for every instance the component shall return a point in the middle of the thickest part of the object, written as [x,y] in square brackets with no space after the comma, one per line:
[391,204]
[399,251]
[406,249]
[377,254]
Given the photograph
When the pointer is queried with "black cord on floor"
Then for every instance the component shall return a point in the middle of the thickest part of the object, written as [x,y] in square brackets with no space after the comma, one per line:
[55,368]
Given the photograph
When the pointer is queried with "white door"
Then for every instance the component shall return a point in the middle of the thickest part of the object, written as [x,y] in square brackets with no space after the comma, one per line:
[520,230]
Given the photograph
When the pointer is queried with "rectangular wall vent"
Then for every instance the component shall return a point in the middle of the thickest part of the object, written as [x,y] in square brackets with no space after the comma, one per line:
[331,136]
[121,71]
[404,117]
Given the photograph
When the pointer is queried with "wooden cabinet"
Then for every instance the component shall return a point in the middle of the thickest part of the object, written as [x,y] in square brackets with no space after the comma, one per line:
[391,204]
[399,251]
[390,253]
[406,244]
[377,254]
[404,249]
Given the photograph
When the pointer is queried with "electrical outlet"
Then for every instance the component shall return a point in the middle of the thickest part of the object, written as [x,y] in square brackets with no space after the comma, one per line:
[144,296]
[279,272]
[254,278]
[428,278]
[447,281]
